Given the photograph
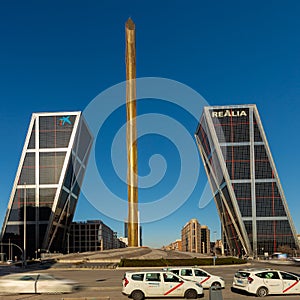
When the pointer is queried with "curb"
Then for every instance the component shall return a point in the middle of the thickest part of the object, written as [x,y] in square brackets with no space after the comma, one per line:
[88,298]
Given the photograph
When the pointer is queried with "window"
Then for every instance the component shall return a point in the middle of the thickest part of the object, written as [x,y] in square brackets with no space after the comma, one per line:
[27,277]
[200,273]
[287,276]
[170,278]
[268,275]
[137,277]
[46,277]
[175,272]
[186,272]
[153,277]
[242,274]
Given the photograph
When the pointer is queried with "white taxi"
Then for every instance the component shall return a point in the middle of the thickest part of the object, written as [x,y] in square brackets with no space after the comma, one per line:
[263,282]
[199,275]
[146,284]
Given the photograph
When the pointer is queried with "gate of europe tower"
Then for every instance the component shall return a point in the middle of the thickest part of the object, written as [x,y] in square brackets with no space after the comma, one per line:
[48,181]
[254,214]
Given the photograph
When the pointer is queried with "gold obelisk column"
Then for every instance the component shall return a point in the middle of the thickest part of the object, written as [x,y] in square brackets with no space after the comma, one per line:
[132,171]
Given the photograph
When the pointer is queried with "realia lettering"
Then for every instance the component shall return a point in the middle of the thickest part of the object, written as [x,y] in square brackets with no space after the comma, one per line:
[228,113]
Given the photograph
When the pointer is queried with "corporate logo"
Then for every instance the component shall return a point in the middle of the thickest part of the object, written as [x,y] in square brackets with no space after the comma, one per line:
[65,120]
[228,113]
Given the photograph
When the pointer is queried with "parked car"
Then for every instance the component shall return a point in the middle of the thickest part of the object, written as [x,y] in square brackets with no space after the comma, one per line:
[34,283]
[138,285]
[199,275]
[263,282]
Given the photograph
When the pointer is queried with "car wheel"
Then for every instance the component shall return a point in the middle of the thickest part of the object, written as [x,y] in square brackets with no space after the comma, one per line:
[216,283]
[262,292]
[191,294]
[137,295]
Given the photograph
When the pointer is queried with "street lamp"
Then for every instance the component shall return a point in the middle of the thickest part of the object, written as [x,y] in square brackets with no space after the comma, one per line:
[68,242]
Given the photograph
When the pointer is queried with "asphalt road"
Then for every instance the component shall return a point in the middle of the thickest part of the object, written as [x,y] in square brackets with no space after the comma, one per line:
[101,283]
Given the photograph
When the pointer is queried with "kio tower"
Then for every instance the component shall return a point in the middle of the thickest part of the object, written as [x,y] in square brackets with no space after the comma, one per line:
[254,214]
[47,183]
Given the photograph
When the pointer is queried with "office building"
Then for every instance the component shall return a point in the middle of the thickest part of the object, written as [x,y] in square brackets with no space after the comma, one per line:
[251,204]
[205,239]
[191,236]
[47,184]
[92,236]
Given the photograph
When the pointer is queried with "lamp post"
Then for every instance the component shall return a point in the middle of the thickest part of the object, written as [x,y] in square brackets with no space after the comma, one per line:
[9,254]
[11,245]
[68,242]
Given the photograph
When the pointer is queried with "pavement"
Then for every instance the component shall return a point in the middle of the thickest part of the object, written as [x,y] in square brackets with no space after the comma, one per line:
[115,255]
[104,283]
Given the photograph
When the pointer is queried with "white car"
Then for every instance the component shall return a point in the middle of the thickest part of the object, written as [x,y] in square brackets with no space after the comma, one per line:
[140,285]
[34,283]
[263,282]
[199,275]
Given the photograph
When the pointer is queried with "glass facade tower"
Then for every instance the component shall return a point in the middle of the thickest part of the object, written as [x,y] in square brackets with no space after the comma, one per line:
[254,214]
[47,183]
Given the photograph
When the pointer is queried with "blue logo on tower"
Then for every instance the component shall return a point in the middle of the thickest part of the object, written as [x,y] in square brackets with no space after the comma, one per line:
[65,120]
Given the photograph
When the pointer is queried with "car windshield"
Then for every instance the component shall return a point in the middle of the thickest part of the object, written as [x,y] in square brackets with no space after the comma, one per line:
[169,277]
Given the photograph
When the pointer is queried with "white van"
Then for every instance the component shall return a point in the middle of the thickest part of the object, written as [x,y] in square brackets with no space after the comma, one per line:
[156,283]
[199,275]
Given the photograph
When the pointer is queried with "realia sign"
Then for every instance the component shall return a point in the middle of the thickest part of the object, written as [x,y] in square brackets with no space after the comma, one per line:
[228,113]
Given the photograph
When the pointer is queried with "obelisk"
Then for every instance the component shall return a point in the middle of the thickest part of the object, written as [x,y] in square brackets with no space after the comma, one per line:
[131,134]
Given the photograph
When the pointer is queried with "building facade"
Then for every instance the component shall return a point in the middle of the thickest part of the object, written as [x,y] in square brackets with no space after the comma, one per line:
[47,184]
[92,236]
[176,245]
[205,239]
[191,236]
[254,214]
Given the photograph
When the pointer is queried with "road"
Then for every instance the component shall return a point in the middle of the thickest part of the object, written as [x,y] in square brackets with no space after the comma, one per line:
[100,283]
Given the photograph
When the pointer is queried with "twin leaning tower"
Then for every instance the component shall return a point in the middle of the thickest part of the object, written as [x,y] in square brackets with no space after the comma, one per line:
[250,200]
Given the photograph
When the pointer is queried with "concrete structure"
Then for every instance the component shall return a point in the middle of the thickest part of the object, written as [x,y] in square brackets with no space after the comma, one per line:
[47,184]
[92,235]
[250,200]
[191,236]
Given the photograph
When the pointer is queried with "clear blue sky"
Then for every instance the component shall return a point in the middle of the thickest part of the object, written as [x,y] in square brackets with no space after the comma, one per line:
[59,55]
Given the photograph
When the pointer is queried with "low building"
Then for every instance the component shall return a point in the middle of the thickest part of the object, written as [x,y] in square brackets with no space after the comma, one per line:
[124,240]
[219,247]
[177,245]
[92,236]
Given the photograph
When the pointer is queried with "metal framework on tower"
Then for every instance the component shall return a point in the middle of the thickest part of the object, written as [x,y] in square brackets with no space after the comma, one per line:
[251,204]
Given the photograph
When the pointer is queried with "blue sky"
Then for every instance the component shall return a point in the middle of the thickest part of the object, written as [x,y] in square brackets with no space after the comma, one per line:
[59,55]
